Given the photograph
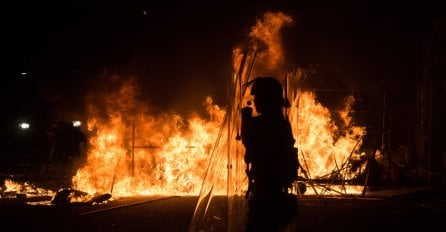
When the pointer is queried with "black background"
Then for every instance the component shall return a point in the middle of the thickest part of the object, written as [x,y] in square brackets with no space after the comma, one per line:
[181,51]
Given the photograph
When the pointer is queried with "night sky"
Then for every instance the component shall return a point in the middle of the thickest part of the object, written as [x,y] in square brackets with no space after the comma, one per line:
[181,52]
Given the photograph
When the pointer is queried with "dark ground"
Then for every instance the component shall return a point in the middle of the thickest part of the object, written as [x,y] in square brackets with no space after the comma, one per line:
[385,208]
[408,209]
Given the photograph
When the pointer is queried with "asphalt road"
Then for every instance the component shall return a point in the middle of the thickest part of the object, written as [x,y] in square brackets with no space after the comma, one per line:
[413,212]
[125,214]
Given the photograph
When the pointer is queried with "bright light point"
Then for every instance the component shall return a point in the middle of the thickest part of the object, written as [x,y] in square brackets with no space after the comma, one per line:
[23,73]
[77,123]
[24,125]
[144,12]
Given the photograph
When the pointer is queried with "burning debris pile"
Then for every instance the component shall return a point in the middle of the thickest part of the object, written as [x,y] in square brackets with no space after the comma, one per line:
[15,190]
[31,194]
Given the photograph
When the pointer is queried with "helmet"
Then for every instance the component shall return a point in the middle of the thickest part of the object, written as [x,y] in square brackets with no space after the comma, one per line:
[268,90]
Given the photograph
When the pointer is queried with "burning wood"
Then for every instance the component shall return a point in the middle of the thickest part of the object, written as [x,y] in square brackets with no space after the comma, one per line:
[30,194]
[25,190]
[68,196]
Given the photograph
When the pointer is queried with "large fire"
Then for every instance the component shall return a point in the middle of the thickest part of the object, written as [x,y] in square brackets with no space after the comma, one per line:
[133,150]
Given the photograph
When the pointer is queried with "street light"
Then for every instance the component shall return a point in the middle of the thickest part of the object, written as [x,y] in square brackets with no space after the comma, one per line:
[24,125]
[77,123]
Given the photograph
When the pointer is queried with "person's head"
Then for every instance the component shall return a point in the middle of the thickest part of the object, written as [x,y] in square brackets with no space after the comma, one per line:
[268,94]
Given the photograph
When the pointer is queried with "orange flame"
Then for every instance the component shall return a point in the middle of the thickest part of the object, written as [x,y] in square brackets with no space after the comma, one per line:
[266,43]
[267,32]
[323,146]
[134,152]
[13,189]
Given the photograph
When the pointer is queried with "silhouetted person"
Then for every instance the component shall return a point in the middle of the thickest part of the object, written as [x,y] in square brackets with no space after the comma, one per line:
[270,157]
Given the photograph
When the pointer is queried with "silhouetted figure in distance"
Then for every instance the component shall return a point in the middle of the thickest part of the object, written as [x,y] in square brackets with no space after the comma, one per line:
[271,158]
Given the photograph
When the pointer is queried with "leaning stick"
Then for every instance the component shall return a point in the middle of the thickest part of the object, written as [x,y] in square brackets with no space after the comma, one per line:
[307,175]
